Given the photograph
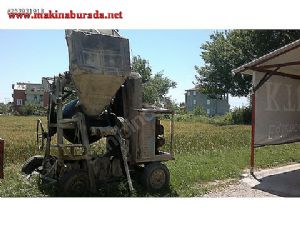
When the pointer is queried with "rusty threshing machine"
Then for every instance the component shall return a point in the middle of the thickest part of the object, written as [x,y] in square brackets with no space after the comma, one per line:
[106,108]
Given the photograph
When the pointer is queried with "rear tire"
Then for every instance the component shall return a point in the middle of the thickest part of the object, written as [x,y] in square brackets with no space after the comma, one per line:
[74,183]
[32,164]
[156,177]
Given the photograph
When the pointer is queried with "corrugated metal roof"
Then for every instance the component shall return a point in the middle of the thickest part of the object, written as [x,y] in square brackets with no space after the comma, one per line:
[265,58]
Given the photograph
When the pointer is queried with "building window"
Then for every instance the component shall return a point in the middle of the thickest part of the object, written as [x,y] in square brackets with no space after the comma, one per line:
[19,102]
[208,111]
[208,102]
[194,93]
[188,93]
[194,101]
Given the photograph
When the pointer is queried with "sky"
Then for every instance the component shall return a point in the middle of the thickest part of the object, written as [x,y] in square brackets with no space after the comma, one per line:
[29,55]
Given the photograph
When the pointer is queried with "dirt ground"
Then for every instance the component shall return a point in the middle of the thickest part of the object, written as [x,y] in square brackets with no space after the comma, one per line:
[277,182]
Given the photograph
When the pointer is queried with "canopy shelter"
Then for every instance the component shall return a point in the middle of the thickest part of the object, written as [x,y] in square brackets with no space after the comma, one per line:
[276,96]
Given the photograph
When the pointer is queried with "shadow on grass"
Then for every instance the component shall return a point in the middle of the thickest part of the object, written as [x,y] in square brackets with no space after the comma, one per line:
[115,189]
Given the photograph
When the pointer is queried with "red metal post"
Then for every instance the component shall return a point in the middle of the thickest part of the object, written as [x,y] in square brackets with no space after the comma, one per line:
[1,158]
[252,135]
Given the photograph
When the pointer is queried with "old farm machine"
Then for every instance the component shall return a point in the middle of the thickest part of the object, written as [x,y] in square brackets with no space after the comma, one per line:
[107,107]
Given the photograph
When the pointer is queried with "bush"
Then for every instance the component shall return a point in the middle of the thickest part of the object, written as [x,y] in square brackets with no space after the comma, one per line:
[242,115]
[5,108]
[30,109]
[199,111]
[216,120]
[221,120]
[191,118]
[237,116]
[181,111]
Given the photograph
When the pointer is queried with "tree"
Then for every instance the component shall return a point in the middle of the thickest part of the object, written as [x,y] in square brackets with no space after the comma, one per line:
[142,67]
[157,86]
[230,49]
[170,104]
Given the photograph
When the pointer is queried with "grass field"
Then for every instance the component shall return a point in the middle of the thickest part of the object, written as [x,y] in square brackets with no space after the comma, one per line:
[204,153]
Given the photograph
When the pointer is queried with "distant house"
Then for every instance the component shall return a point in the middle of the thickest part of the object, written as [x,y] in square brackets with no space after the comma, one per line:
[194,99]
[19,96]
[28,93]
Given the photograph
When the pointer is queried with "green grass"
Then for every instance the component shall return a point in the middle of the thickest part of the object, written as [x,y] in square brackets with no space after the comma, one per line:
[206,152]
[203,152]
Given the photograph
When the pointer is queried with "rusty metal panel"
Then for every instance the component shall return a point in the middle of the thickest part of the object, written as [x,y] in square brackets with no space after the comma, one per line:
[98,53]
[1,158]
[147,137]
[132,100]
[99,64]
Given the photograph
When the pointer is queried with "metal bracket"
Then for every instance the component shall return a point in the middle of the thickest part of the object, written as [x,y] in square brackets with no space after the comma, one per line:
[266,77]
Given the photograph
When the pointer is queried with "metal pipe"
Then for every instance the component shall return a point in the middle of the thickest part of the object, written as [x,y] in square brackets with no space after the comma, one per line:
[59,92]
[172,134]
[48,145]
[1,158]
[252,157]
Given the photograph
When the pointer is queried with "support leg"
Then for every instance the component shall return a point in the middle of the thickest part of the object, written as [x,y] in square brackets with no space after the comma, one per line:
[252,136]
[124,148]
[85,141]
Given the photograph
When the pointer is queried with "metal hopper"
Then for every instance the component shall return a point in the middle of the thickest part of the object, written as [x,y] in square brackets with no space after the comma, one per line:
[99,62]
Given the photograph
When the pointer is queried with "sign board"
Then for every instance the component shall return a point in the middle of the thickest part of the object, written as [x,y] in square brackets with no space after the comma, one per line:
[277,110]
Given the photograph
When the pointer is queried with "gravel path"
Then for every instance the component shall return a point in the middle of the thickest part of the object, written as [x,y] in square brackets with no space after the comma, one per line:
[277,182]
[240,189]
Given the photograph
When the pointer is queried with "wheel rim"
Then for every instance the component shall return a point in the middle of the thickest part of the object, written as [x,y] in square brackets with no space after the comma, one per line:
[157,179]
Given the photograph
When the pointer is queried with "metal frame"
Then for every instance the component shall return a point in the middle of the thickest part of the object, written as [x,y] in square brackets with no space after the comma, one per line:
[78,121]
[267,76]
[255,65]
[164,156]
[275,72]
[1,158]
[252,155]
